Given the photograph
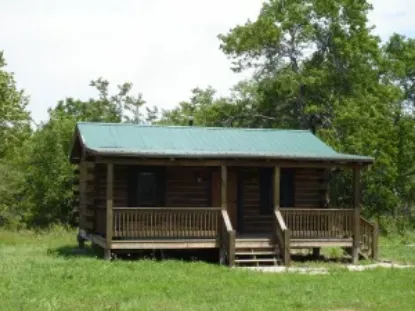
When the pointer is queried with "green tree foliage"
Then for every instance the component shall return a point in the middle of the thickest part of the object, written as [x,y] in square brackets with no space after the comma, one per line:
[318,66]
[14,118]
[399,71]
[47,195]
[14,130]
[203,109]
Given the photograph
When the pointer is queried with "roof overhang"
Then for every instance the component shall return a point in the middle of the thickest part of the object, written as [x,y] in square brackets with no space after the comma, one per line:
[233,157]
[80,149]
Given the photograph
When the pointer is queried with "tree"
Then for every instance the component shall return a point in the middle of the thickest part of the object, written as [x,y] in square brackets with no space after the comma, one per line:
[306,55]
[14,118]
[48,191]
[399,71]
[202,109]
[205,109]
[14,131]
[318,66]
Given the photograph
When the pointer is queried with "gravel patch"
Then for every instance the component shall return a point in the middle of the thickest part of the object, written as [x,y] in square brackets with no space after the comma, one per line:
[281,269]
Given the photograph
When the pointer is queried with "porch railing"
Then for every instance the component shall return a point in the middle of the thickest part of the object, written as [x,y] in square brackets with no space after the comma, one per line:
[283,236]
[369,238]
[228,237]
[164,222]
[319,223]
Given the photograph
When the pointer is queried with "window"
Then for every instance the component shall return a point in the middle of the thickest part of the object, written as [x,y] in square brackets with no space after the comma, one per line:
[266,184]
[146,187]
[287,187]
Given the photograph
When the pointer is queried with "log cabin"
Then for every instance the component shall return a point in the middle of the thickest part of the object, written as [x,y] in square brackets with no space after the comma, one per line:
[254,195]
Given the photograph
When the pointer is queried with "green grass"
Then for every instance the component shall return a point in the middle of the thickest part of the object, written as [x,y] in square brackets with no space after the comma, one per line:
[394,248]
[399,248]
[42,272]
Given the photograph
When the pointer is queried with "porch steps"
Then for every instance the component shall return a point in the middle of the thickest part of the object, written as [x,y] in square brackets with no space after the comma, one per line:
[256,252]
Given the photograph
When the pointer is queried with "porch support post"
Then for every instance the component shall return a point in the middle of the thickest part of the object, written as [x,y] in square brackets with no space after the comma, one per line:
[277,173]
[109,222]
[224,187]
[356,206]
[230,245]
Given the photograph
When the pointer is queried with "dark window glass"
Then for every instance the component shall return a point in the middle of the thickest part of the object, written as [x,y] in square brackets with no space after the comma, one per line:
[147,189]
[287,187]
[266,190]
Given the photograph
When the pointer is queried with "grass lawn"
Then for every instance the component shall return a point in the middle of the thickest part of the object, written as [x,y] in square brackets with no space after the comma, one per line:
[40,272]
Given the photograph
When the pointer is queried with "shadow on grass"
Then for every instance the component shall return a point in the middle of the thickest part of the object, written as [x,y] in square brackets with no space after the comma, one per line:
[73,251]
[320,259]
[203,255]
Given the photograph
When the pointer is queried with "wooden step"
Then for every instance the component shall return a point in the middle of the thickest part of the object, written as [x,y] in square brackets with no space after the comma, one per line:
[253,244]
[255,253]
[257,260]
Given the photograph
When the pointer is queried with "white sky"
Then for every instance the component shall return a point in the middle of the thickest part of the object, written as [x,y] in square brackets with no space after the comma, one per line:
[164,47]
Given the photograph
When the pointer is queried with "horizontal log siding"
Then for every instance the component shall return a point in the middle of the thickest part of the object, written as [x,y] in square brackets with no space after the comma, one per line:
[100,198]
[183,189]
[84,191]
[310,187]
[253,220]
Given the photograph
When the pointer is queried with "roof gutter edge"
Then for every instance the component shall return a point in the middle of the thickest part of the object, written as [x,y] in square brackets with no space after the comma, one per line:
[363,160]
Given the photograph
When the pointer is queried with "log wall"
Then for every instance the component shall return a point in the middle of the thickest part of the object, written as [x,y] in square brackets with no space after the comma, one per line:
[200,187]
[310,187]
[184,187]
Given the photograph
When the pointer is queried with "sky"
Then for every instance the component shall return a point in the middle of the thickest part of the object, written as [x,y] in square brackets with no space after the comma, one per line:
[164,47]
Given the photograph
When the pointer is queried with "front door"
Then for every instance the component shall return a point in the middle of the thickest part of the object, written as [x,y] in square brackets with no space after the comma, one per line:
[250,197]
[256,198]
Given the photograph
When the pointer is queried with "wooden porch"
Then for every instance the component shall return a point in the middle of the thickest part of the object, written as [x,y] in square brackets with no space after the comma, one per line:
[182,228]
[132,228]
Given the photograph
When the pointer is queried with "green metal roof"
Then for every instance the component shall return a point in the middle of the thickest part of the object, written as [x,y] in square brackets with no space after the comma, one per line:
[206,142]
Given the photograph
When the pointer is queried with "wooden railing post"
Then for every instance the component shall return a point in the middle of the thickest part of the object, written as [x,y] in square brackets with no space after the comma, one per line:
[230,239]
[109,223]
[231,248]
[356,206]
[375,237]
[287,254]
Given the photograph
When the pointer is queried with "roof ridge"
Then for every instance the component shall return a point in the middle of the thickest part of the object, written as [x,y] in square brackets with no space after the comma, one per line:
[191,127]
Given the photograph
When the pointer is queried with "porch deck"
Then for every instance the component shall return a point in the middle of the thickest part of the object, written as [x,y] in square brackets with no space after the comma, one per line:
[184,228]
